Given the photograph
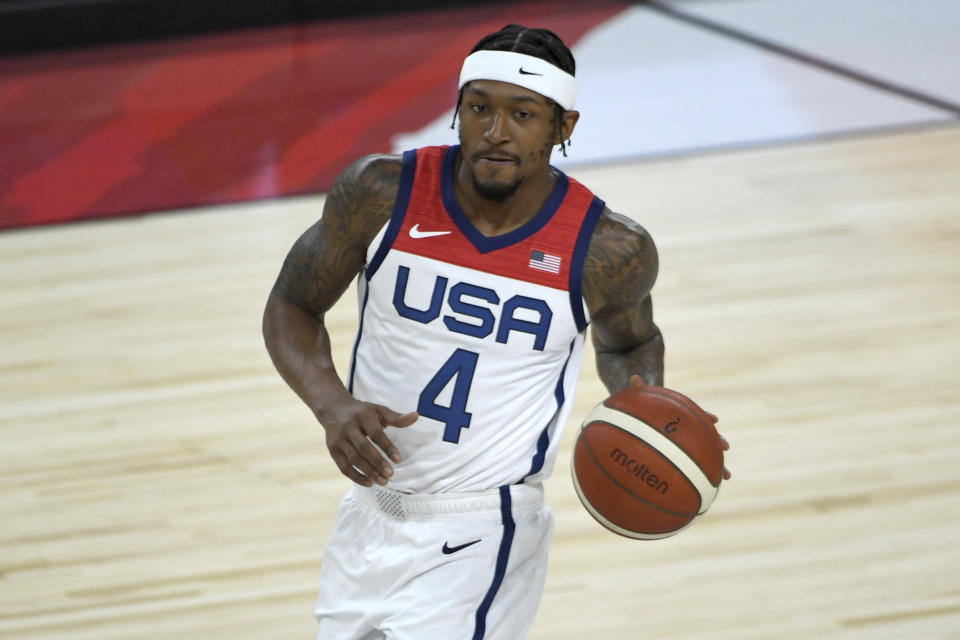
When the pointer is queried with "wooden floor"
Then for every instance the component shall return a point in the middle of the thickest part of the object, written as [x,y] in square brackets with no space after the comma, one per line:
[160,481]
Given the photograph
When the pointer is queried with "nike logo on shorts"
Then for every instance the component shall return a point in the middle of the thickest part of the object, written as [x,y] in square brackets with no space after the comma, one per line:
[416,233]
[448,549]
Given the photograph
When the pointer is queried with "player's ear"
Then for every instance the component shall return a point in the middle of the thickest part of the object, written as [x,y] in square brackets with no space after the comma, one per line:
[567,123]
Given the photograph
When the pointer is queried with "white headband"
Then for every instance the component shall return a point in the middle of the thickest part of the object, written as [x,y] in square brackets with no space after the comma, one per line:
[523,70]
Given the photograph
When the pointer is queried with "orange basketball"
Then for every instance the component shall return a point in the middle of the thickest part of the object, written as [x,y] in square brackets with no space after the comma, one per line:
[647,462]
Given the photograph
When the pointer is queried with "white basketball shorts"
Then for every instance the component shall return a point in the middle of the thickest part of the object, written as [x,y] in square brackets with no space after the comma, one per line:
[435,567]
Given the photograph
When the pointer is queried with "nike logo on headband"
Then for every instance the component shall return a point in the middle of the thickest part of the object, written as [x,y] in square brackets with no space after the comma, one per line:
[530,72]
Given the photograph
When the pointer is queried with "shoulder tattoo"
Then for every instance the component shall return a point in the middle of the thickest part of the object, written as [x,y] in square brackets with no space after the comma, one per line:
[621,263]
[329,254]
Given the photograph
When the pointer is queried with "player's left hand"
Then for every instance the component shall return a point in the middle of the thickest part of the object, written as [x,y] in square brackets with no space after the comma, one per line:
[637,381]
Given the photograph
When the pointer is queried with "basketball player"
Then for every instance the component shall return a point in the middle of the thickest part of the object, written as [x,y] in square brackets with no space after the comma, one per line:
[479,267]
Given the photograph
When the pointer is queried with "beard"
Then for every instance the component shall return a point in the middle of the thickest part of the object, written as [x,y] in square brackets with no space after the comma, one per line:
[496,192]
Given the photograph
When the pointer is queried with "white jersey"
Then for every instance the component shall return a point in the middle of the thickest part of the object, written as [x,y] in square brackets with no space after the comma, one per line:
[482,336]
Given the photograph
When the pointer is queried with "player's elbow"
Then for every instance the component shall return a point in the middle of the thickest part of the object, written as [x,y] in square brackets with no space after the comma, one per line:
[268,323]
[650,341]
[276,318]
[653,340]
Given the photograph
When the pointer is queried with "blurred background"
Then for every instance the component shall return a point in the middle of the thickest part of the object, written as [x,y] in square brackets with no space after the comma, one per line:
[180,104]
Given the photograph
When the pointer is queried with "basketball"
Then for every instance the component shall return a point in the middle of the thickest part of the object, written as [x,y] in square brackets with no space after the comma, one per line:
[647,462]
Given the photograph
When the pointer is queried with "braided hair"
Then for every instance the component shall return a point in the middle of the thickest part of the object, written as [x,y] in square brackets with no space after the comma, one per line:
[540,43]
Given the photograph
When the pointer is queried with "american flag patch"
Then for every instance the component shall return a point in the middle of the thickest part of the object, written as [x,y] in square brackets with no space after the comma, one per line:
[544,262]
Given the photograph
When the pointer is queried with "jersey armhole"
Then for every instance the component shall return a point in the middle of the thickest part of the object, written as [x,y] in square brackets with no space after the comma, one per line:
[577,304]
[386,236]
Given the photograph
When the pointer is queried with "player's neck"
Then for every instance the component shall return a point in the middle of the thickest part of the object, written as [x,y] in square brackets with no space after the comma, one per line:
[493,218]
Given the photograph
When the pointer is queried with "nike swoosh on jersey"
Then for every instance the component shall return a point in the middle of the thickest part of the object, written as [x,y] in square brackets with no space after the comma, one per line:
[416,233]
[448,549]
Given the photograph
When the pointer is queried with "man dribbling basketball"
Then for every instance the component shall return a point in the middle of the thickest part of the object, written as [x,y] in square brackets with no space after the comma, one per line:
[479,266]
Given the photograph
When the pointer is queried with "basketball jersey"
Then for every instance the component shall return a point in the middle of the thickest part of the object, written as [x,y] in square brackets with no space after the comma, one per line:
[482,336]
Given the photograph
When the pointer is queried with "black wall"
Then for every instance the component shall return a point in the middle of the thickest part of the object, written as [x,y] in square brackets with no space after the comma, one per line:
[35,25]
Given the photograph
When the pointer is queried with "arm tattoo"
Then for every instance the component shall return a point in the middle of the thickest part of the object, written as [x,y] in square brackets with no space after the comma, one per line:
[619,272]
[329,254]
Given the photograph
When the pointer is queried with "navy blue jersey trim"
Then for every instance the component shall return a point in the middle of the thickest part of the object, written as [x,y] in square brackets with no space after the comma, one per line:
[509,526]
[356,343]
[483,243]
[579,258]
[543,442]
[407,172]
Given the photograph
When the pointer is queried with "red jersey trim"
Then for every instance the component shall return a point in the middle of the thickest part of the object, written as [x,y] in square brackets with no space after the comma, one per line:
[434,226]
[550,251]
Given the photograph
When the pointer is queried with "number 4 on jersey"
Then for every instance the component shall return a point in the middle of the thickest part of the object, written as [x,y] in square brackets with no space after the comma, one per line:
[461,365]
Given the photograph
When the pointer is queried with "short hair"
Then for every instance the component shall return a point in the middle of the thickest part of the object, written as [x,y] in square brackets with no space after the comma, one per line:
[539,43]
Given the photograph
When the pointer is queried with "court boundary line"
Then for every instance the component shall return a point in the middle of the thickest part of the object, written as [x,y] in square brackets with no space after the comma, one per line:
[762,144]
[796,54]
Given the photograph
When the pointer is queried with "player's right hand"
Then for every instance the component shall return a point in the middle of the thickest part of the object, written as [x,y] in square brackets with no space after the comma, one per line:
[352,428]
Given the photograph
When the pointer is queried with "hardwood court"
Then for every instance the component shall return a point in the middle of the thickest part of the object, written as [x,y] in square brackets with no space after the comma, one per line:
[159,480]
